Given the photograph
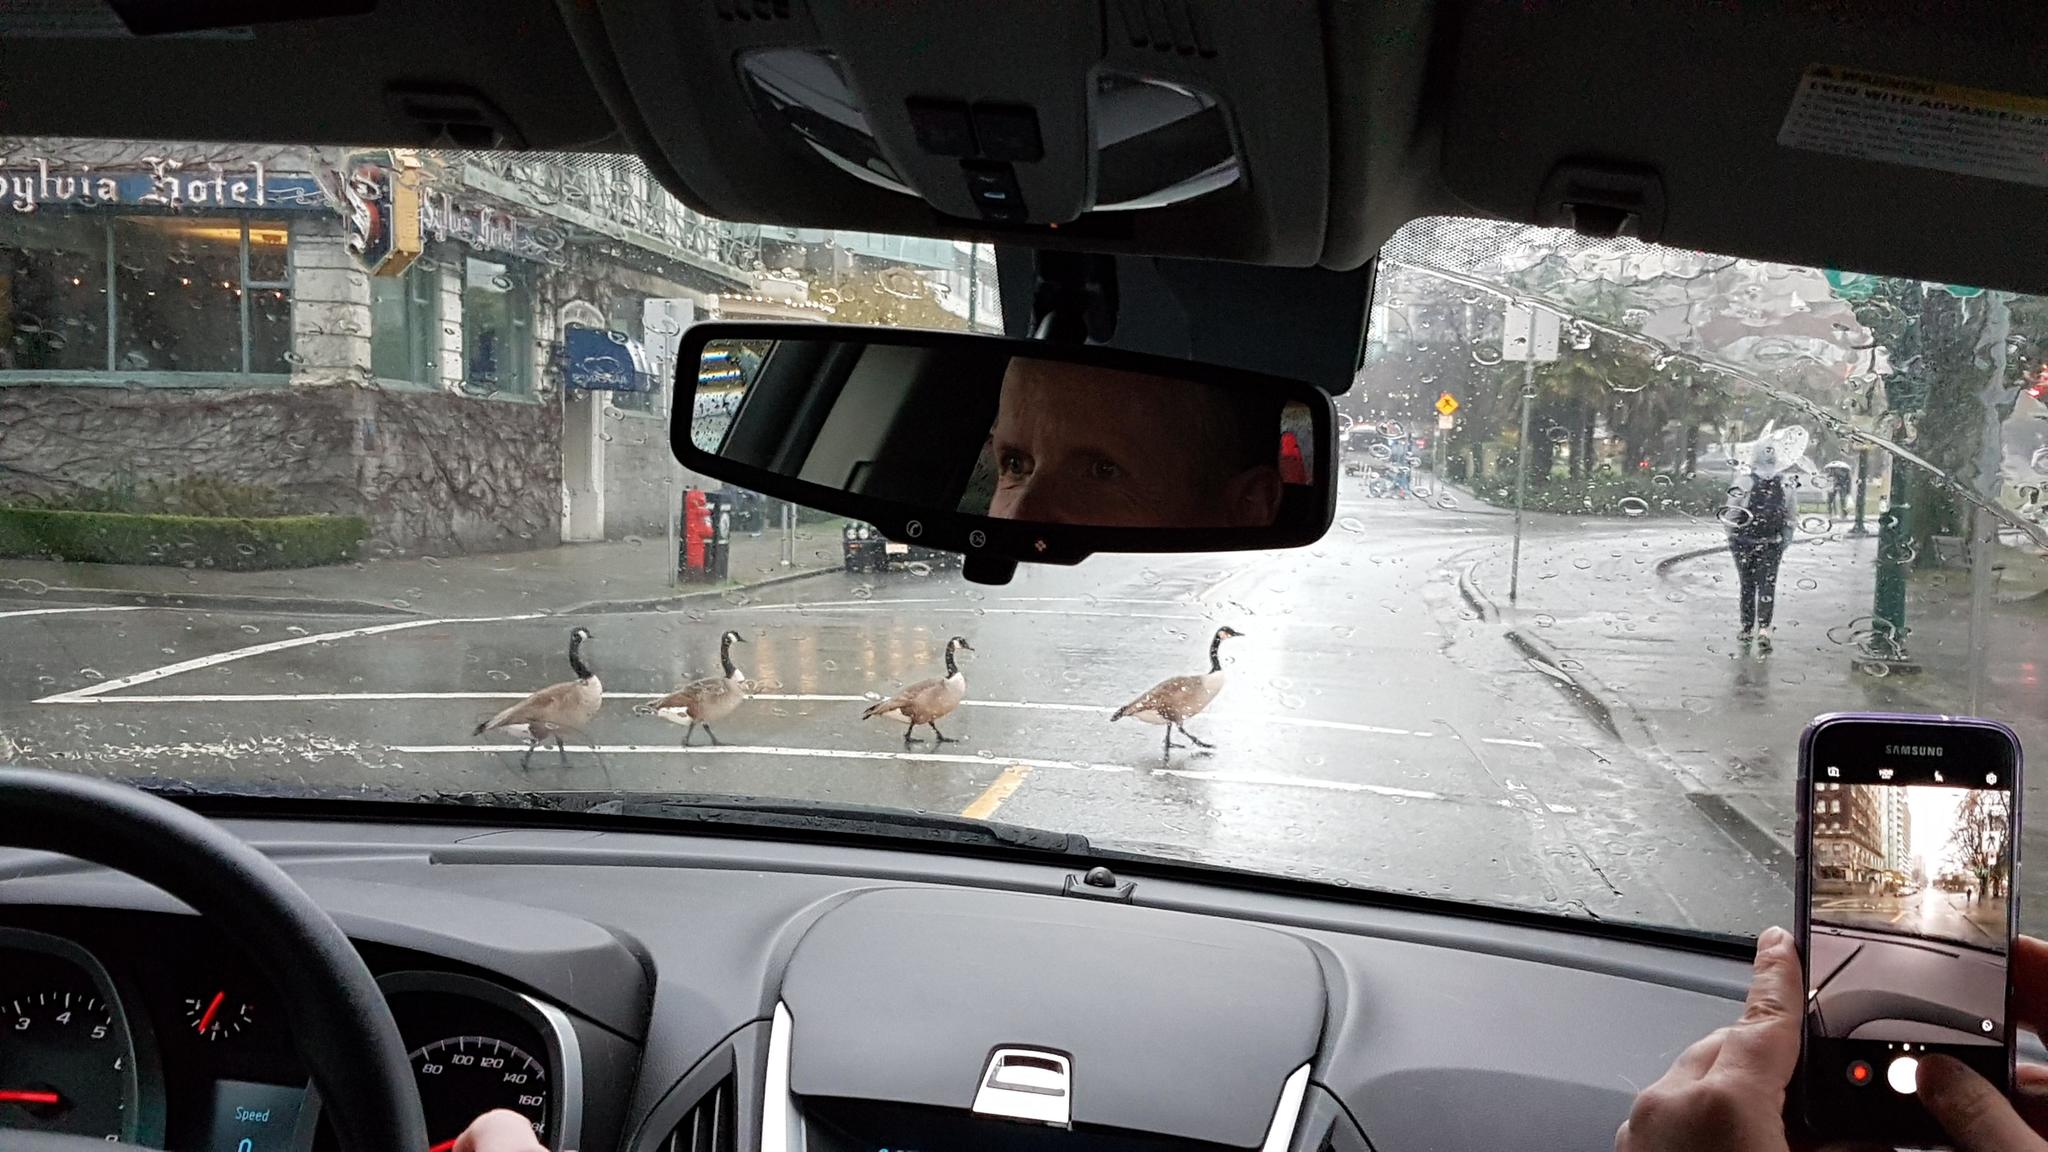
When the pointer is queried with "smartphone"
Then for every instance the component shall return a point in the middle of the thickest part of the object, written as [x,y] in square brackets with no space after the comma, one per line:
[1908,880]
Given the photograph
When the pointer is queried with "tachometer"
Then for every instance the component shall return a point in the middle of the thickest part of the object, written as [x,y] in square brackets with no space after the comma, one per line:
[65,1065]
[463,1077]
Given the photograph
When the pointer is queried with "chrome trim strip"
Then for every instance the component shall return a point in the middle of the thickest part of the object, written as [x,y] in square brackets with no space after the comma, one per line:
[1288,1114]
[782,1126]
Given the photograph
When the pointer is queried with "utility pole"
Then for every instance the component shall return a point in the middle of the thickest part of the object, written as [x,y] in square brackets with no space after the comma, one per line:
[1527,334]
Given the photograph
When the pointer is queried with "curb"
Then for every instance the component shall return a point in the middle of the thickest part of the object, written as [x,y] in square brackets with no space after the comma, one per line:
[1609,710]
[283,605]
[680,599]
[1664,566]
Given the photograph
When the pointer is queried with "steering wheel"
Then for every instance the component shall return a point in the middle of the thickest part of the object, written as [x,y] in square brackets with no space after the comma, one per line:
[338,1018]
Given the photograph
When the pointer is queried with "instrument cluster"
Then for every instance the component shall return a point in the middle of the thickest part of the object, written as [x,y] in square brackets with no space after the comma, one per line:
[178,1044]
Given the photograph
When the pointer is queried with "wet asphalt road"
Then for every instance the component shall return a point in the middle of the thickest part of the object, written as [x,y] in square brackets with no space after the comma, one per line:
[1372,732]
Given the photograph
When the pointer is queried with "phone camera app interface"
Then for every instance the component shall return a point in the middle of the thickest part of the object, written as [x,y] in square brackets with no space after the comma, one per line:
[1910,885]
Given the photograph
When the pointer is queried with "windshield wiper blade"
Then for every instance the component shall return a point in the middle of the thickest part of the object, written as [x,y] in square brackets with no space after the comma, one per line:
[813,816]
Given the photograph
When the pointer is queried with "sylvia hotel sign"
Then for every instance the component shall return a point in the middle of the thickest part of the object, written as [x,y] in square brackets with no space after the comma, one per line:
[162,183]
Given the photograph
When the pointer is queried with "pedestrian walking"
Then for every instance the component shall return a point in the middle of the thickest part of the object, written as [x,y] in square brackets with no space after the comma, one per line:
[1838,488]
[1760,526]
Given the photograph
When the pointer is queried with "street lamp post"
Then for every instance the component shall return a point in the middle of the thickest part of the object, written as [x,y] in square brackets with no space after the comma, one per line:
[1862,482]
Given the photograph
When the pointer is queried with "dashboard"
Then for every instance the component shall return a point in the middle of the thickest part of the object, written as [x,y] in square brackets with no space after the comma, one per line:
[629,988]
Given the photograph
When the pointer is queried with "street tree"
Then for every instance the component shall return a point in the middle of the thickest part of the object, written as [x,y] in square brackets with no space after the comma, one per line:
[1978,840]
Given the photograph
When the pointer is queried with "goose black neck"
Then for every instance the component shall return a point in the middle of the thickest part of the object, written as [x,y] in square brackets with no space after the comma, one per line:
[725,655]
[1215,647]
[576,663]
[952,669]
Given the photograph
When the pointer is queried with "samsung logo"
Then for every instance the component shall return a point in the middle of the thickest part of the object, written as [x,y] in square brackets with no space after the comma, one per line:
[1934,750]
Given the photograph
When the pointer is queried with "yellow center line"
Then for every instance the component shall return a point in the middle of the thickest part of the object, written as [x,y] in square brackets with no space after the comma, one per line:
[992,797]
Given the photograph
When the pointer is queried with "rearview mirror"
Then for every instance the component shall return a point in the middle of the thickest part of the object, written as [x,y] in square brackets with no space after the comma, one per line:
[1006,449]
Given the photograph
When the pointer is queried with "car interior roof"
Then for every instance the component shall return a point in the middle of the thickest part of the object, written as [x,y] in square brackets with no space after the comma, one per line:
[1352,118]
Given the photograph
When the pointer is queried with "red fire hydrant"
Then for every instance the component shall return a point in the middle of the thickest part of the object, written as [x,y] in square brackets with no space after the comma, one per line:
[696,529]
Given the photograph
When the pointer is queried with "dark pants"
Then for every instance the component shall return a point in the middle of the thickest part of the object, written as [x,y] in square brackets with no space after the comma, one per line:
[1838,502]
[1756,563]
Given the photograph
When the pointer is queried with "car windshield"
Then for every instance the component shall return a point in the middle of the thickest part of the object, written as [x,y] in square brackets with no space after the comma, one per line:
[348,472]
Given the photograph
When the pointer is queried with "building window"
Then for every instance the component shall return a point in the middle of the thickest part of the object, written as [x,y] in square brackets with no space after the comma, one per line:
[188,294]
[53,292]
[405,326]
[627,319]
[497,328]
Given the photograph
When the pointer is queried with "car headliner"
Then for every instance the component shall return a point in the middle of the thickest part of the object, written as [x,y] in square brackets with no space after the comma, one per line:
[1453,108]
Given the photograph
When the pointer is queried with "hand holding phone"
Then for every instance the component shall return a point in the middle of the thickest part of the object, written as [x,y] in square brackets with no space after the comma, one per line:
[1908,860]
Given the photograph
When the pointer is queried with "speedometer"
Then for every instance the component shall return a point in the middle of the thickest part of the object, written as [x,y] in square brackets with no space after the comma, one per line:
[463,1077]
[67,1062]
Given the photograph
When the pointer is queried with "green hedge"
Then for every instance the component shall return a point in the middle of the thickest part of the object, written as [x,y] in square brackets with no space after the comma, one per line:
[233,544]
[1613,495]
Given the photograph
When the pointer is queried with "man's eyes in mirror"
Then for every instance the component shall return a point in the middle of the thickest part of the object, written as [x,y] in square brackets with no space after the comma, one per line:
[1101,469]
[1013,464]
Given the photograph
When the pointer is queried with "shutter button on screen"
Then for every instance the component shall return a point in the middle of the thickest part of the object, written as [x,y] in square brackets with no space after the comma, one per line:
[1903,1074]
[1859,1073]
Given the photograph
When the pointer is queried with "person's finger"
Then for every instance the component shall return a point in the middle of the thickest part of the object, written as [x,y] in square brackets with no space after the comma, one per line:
[2030,982]
[1765,1042]
[499,1130]
[1698,1056]
[1970,1110]
[2030,1096]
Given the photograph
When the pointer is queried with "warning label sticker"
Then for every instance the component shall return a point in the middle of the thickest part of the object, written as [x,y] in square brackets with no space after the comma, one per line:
[1971,131]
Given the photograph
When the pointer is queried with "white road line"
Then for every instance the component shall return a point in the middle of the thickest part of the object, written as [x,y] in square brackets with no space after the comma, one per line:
[80,697]
[1509,743]
[872,600]
[82,608]
[1271,779]
[91,692]
[863,605]
[1264,779]
[771,750]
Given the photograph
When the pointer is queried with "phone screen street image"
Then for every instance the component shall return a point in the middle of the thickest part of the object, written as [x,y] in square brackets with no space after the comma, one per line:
[1911,888]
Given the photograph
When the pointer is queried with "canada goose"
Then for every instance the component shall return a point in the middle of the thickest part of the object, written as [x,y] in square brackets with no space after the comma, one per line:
[557,708]
[927,701]
[1178,699]
[703,700]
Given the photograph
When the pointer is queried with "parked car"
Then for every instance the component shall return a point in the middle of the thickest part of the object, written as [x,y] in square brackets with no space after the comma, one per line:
[866,550]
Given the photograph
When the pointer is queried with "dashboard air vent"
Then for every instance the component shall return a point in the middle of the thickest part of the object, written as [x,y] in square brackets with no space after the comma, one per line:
[709,1124]
[754,9]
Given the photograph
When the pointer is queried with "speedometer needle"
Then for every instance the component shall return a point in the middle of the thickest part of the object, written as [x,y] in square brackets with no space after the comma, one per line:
[30,1096]
[444,1146]
[207,1017]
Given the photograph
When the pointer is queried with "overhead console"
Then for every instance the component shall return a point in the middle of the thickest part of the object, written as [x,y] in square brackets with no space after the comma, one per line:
[1172,127]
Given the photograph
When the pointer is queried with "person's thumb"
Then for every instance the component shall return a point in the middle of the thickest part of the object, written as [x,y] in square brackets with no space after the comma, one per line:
[1975,1114]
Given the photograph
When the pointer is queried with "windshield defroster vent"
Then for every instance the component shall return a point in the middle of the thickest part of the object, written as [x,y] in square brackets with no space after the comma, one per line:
[709,1125]
[1166,25]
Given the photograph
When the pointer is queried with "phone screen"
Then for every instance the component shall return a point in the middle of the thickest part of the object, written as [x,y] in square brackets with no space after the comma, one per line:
[1907,901]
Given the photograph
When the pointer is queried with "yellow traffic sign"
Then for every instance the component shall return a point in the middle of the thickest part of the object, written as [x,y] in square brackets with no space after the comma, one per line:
[1446,404]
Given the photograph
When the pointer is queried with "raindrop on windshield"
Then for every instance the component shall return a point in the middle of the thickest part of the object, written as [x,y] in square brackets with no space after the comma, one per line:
[498,675]
[1633,506]
[1818,525]
[918,568]
[1559,434]
[1734,517]
[1544,620]
[1351,524]
[92,674]
[1807,584]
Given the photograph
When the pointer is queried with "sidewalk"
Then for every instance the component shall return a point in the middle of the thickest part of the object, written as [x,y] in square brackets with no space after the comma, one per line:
[612,576]
[1645,622]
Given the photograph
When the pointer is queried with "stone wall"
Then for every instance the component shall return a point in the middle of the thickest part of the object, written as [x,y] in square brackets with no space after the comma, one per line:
[430,471]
